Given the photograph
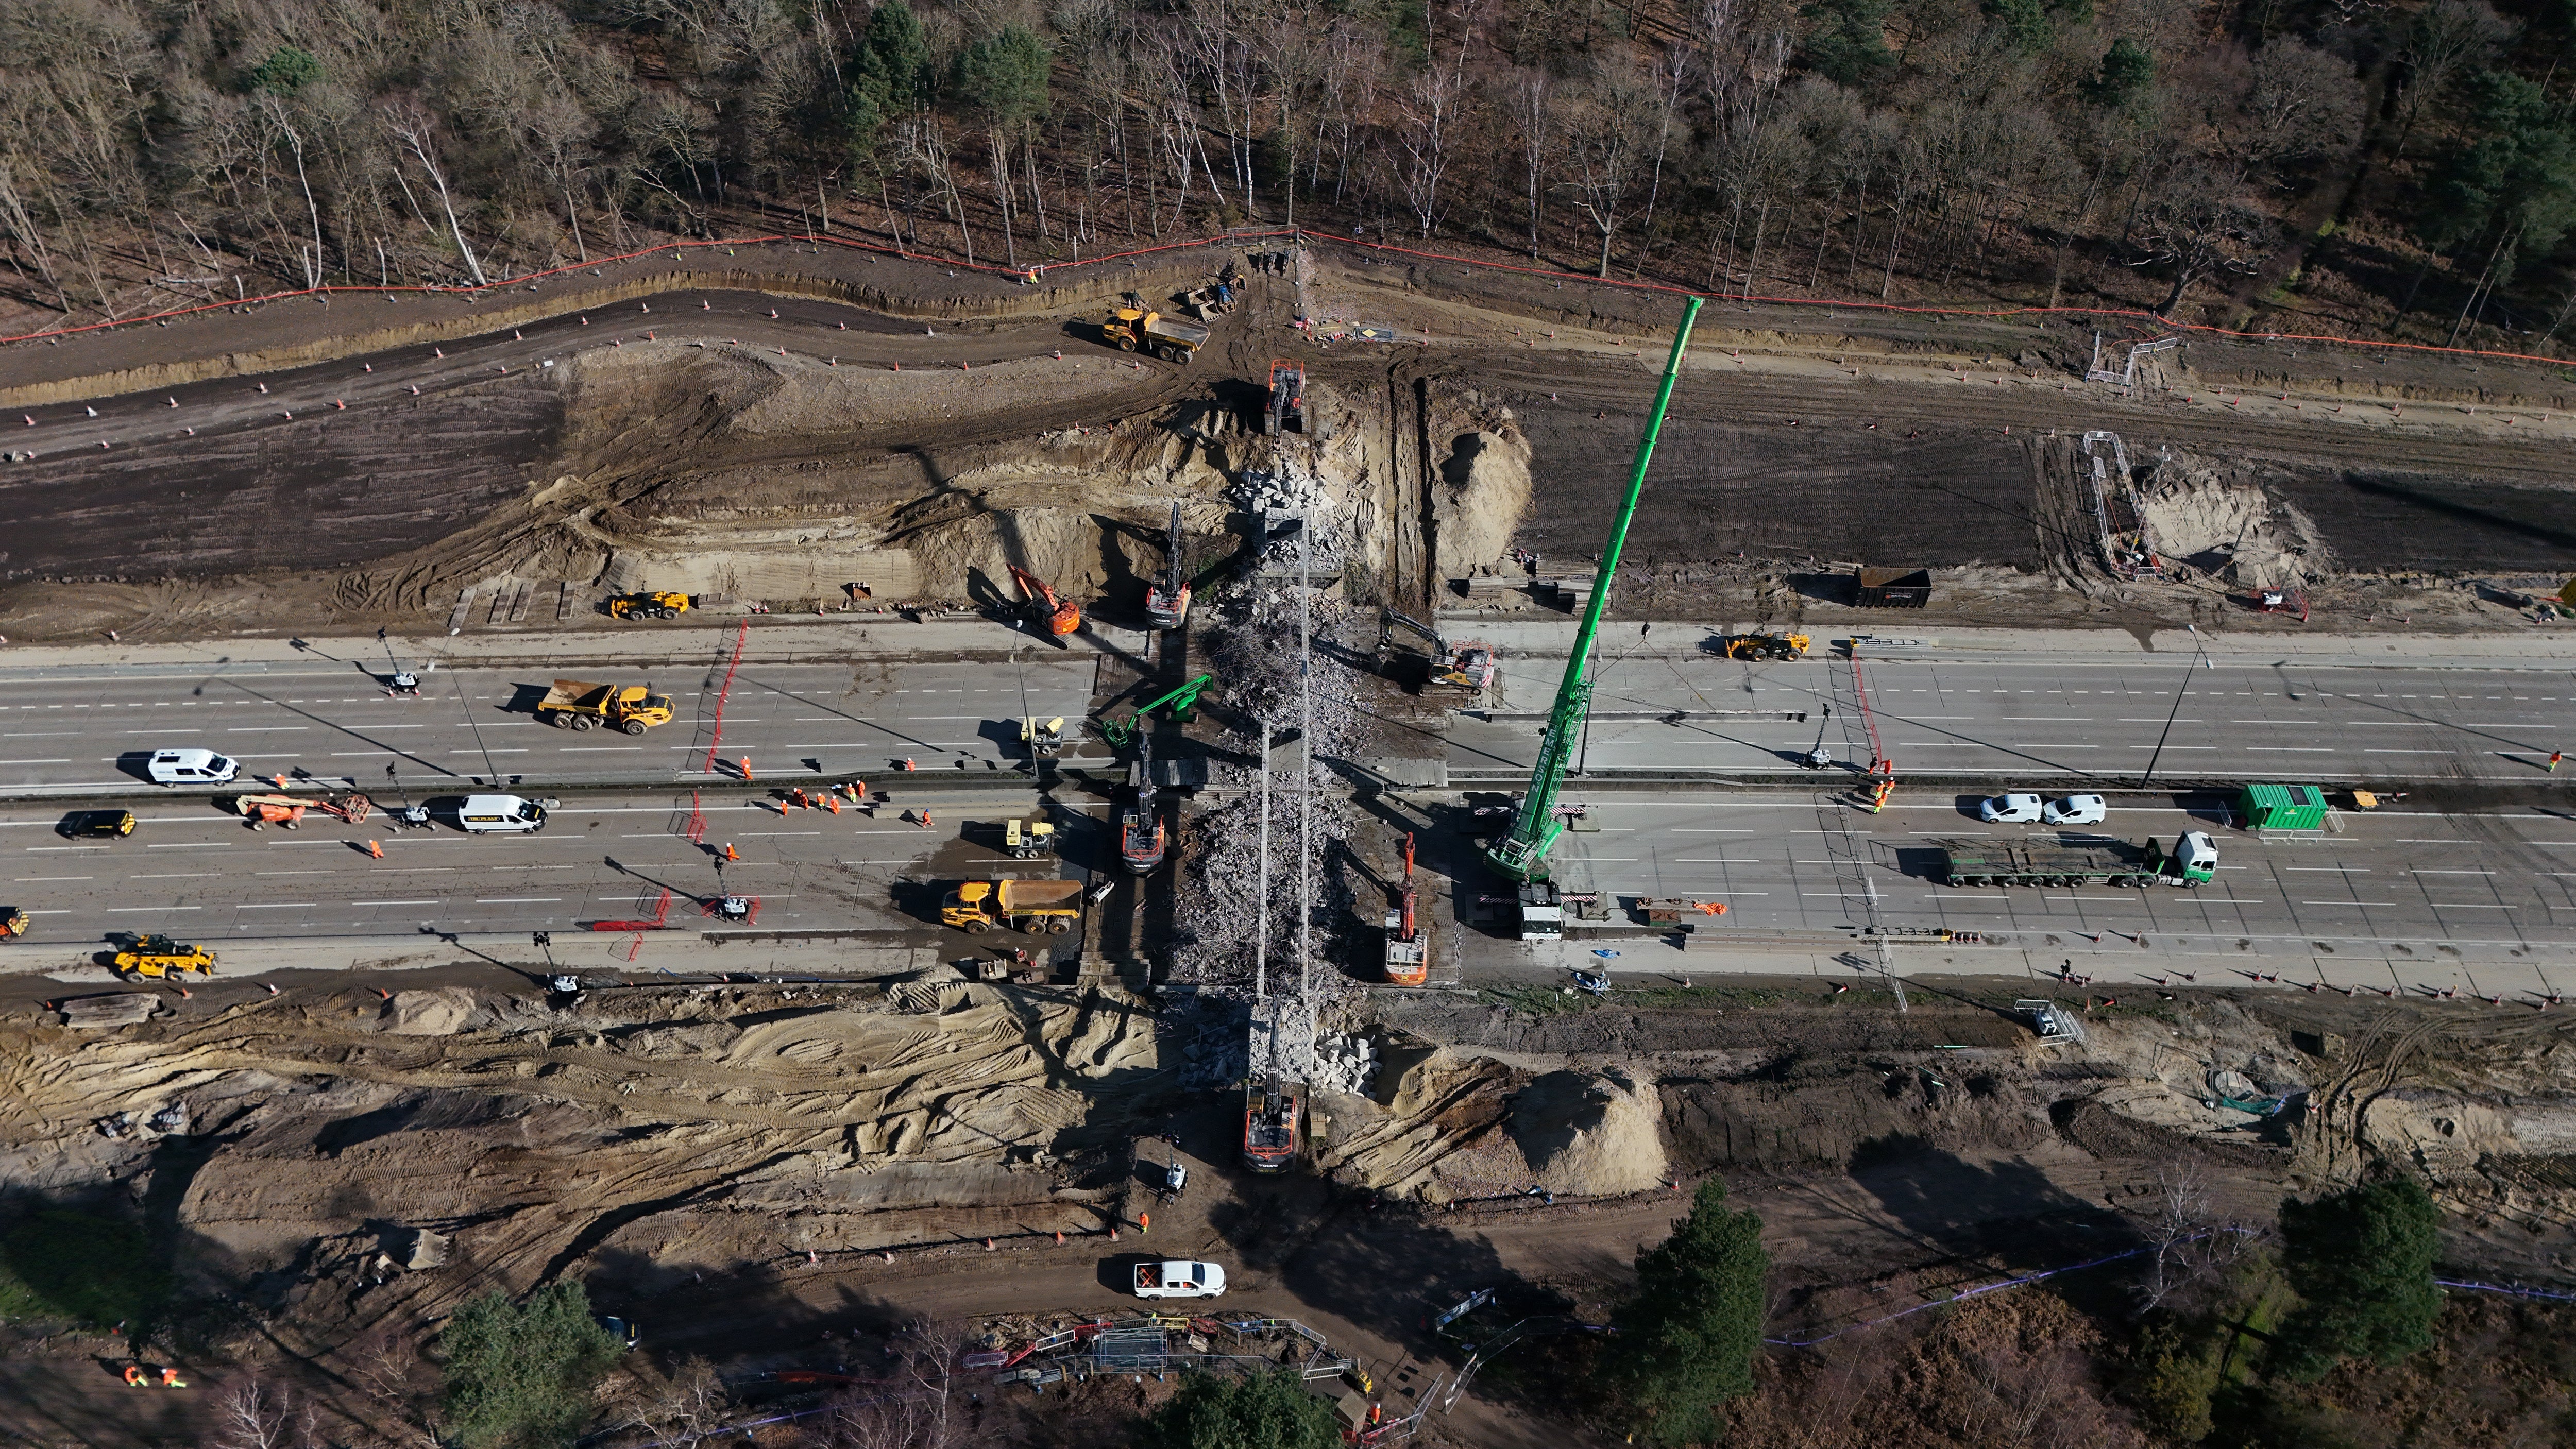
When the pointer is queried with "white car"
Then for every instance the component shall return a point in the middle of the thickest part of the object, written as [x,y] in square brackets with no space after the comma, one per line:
[190,767]
[2076,810]
[2010,810]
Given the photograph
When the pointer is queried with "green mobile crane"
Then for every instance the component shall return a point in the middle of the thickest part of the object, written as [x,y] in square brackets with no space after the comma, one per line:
[1522,855]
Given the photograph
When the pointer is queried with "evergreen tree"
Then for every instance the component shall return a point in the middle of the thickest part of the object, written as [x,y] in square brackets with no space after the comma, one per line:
[1266,1411]
[519,1375]
[890,75]
[1688,1339]
[2363,1261]
[2127,70]
[1849,41]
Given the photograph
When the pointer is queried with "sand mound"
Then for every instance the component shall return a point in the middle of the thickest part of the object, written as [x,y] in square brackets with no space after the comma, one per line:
[2228,525]
[1589,1135]
[442,1011]
[1487,478]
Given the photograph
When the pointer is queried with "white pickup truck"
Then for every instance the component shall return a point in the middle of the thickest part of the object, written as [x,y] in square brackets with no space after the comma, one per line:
[1179,1280]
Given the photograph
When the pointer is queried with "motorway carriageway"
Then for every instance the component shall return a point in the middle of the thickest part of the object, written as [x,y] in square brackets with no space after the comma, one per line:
[2447,891]
[201,875]
[62,736]
[2045,718]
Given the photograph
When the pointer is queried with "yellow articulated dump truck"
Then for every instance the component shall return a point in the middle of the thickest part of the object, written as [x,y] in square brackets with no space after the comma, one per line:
[578,704]
[1039,907]
[649,604]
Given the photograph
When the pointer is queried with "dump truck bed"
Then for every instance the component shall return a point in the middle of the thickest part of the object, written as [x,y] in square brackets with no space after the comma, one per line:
[1023,895]
[575,694]
[2038,857]
[1177,329]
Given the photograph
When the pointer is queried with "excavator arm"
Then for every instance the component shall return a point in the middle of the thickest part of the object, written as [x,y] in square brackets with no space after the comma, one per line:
[1522,855]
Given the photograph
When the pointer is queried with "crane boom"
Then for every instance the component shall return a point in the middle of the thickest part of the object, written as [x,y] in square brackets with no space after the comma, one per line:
[1522,855]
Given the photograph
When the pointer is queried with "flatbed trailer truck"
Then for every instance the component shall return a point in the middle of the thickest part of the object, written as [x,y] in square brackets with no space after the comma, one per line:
[2035,861]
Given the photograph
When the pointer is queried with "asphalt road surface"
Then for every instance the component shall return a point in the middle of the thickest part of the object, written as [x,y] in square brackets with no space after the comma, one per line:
[2097,717]
[2424,898]
[69,732]
[197,873]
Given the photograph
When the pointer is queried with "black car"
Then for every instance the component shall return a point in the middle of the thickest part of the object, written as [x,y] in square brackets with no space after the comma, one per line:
[96,825]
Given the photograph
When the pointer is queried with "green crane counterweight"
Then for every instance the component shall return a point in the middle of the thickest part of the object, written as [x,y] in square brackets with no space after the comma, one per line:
[1522,855]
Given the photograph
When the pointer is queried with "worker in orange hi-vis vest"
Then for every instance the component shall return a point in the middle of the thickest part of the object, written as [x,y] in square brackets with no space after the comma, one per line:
[134,1375]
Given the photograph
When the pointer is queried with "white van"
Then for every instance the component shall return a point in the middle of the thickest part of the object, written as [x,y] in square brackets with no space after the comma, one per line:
[500,815]
[190,767]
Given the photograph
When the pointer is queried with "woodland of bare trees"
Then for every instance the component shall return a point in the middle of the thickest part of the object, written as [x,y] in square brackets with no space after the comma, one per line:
[2361,166]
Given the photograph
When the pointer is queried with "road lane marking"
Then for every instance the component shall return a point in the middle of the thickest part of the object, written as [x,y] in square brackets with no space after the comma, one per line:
[35,762]
[2347,903]
[22,880]
[430,902]
[193,845]
[517,900]
[181,875]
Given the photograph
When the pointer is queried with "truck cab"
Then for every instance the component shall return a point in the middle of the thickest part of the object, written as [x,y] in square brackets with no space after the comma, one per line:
[2193,860]
[1179,1280]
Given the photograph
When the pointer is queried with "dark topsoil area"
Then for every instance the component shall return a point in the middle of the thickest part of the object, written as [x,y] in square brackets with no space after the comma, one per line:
[1719,486]
[327,490]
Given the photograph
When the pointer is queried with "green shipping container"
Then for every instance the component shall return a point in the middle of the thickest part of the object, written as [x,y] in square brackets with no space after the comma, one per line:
[2282,807]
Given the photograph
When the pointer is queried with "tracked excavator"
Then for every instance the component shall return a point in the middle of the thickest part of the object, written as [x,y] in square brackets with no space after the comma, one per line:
[1141,834]
[1521,855]
[1408,959]
[1057,616]
[1463,668]
[1167,603]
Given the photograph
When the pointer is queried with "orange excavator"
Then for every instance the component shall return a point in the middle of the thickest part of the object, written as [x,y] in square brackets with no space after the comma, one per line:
[1058,616]
[1408,963]
[262,811]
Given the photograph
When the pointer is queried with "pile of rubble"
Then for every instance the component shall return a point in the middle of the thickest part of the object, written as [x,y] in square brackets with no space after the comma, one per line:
[1345,1064]
[1219,915]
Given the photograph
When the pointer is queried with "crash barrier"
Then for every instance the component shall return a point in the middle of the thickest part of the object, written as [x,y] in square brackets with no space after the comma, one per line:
[2167,328]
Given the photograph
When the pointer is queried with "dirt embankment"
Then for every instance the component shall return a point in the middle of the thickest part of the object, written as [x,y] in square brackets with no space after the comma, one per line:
[672,1132]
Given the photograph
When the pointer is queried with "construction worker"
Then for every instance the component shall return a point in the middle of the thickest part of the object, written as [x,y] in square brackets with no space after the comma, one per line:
[922,819]
[2554,757]
[376,850]
[832,802]
[134,1375]
[170,1379]
[730,853]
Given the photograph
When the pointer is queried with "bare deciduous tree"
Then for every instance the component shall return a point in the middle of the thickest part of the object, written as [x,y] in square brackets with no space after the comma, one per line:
[253,1413]
[1604,150]
[412,126]
[2200,226]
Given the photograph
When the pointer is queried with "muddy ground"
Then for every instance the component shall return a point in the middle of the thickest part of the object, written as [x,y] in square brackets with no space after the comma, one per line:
[782,447]
[731,1164]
